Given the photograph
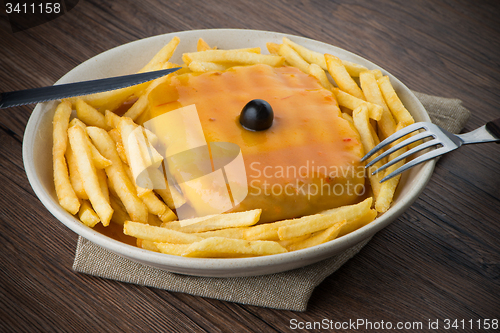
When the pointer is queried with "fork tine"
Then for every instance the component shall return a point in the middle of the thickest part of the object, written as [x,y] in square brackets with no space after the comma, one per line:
[400,145]
[407,153]
[422,158]
[390,139]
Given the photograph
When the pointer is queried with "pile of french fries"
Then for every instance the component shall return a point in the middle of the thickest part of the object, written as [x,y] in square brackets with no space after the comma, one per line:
[98,168]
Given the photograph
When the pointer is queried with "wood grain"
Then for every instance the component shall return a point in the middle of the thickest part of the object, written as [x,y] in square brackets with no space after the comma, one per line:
[440,259]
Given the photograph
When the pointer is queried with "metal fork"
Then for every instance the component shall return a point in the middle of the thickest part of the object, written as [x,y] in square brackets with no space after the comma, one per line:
[490,132]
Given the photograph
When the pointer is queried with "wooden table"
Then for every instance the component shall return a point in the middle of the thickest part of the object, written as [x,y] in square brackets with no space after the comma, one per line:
[440,260]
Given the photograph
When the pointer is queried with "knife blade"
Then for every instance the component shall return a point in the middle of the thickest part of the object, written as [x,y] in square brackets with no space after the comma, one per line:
[38,95]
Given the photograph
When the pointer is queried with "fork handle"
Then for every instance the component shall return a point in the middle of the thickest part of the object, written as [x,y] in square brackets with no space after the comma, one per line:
[494,127]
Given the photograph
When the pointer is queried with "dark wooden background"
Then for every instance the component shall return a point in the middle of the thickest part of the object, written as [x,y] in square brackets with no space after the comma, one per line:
[439,260]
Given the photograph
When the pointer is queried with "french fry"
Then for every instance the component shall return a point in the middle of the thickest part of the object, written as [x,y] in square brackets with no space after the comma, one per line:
[100,162]
[89,115]
[202,45]
[286,243]
[103,183]
[273,48]
[349,101]
[117,176]
[140,175]
[168,215]
[353,69]
[219,247]
[77,122]
[317,58]
[311,57]
[157,207]
[269,231]
[372,92]
[377,73]
[348,117]
[169,248]
[240,57]
[287,232]
[201,55]
[320,74]
[87,215]
[162,56]
[353,225]
[111,119]
[319,238]
[293,58]
[339,74]
[65,192]
[150,155]
[325,220]
[207,66]
[388,188]
[215,222]
[158,234]
[138,108]
[366,133]
[147,245]
[79,144]
[74,175]
[395,105]
[117,138]
[247,49]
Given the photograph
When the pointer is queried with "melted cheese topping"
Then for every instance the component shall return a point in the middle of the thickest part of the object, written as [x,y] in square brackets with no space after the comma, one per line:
[294,166]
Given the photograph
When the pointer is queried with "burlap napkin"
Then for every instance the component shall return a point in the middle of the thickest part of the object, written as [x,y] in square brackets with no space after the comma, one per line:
[288,290]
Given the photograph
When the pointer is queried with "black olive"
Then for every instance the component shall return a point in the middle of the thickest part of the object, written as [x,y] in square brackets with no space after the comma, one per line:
[257,115]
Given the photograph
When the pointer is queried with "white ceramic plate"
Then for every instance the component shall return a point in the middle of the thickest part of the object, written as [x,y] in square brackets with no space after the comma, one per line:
[129,58]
